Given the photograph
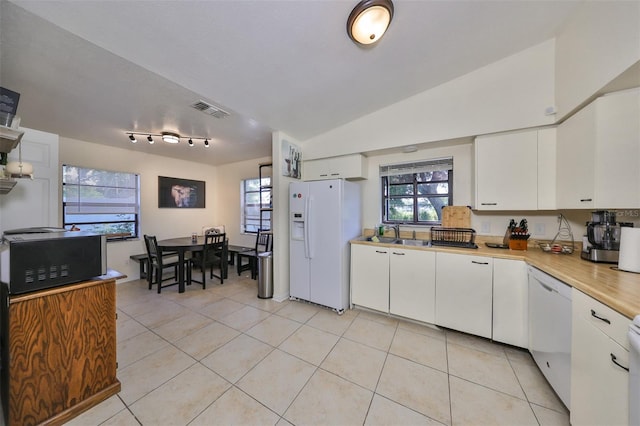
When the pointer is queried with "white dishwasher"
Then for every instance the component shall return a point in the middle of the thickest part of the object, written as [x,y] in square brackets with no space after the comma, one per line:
[550,330]
[634,372]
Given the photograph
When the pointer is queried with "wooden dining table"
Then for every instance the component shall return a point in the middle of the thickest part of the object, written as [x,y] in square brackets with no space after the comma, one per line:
[183,245]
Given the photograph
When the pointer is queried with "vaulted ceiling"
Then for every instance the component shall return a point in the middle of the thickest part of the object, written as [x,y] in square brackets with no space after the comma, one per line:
[93,70]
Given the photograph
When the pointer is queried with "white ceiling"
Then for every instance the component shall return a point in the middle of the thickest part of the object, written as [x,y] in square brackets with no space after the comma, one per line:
[92,70]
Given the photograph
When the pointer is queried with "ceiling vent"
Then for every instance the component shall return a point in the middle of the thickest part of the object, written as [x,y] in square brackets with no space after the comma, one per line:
[212,110]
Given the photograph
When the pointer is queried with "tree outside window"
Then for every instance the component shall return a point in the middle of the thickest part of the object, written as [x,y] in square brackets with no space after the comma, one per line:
[418,197]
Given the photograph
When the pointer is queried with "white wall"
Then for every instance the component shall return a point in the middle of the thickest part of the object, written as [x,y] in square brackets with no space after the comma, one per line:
[598,42]
[485,223]
[509,94]
[281,218]
[162,222]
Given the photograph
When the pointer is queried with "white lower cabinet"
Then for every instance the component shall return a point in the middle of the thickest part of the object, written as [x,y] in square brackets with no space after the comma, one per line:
[412,284]
[510,302]
[394,280]
[370,277]
[599,381]
[464,293]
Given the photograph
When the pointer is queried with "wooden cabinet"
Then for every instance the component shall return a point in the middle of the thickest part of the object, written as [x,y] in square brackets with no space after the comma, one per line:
[516,170]
[599,386]
[370,277]
[464,293]
[510,302]
[58,352]
[412,284]
[343,167]
[598,154]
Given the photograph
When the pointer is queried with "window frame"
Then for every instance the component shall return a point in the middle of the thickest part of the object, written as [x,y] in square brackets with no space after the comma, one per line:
[386,192]
[135,207]
[266,181]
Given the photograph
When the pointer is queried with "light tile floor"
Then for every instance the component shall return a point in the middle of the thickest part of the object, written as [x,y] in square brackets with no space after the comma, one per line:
[223,356]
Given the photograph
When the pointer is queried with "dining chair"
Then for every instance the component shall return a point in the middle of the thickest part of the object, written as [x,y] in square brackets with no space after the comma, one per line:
[263,243]
[212,254]
[157,265]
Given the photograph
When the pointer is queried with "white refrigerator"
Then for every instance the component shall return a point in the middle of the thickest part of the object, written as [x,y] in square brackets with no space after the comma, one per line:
[323,216]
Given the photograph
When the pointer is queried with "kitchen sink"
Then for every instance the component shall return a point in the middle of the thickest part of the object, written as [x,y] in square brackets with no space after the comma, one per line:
[419,243]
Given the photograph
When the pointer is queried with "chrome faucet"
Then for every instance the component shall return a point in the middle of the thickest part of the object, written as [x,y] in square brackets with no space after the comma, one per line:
[396,231]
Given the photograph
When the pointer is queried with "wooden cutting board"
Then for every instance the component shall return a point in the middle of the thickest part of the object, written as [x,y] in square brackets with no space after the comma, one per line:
[456,217]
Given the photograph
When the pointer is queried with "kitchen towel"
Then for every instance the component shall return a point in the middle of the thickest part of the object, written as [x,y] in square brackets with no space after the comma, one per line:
[629,258]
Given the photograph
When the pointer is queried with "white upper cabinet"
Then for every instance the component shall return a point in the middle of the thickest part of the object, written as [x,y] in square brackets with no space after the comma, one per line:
[598,154]
[515,171]
[343,167]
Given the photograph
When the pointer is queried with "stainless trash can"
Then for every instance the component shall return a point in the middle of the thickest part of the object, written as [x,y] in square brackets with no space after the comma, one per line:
[265,275]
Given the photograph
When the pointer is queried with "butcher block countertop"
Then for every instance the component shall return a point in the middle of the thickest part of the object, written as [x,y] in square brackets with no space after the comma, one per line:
[617,289]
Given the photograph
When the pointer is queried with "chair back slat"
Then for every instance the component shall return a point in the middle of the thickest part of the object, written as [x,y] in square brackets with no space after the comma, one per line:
[262,241]
[152,246]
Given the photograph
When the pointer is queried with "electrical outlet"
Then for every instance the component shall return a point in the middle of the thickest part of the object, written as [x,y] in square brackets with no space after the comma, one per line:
[485,227]
[539,229]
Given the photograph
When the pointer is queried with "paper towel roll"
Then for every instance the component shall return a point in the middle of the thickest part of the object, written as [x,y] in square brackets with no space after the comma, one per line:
[629,259]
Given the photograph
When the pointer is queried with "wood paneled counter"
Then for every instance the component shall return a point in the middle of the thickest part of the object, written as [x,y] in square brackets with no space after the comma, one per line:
[617,289]
[58,351]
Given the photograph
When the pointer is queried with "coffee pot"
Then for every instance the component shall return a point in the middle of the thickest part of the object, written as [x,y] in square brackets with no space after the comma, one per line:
[603,233]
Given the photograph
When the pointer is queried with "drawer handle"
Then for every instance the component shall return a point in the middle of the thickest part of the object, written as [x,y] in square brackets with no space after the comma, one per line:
[489,204]
[398,254]
[479,263]
[593,314]
[584,200]
[614,360]
[380,251]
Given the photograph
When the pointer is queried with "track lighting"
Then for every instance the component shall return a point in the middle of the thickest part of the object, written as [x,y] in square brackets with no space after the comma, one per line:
[169,137]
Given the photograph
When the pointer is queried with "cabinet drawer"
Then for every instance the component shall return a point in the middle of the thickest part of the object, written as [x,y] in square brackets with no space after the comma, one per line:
[611,323]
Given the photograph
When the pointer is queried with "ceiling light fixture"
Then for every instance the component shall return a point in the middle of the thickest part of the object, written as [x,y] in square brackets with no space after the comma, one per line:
[169,137]
[369,20]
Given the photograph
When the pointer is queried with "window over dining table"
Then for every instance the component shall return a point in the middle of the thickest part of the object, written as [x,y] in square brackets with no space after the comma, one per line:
[252,200]
[101,201]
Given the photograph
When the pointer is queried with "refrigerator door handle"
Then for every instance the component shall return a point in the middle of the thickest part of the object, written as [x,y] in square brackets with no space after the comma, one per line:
[307,228]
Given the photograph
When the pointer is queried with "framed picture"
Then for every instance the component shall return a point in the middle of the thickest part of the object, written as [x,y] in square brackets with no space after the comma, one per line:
[291,160]
[180,193]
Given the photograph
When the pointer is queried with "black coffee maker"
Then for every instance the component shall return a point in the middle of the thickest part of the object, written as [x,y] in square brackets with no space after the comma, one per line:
[603,233]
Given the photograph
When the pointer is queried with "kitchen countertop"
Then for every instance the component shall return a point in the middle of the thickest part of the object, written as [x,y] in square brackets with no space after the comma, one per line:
[619,290]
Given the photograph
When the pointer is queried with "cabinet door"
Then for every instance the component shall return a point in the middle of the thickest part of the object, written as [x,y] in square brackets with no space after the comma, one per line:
[316,169]
[348,167]
[617,156]
[412,284]
[575,166]
[547,141]
[463,293]
[599,387]
[507,171]
[510,302]
[370,277]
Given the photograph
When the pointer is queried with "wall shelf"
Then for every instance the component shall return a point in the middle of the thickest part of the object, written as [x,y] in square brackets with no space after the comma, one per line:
[9,138]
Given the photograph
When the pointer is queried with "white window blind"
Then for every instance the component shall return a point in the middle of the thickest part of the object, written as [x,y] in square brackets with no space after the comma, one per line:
[423,166]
